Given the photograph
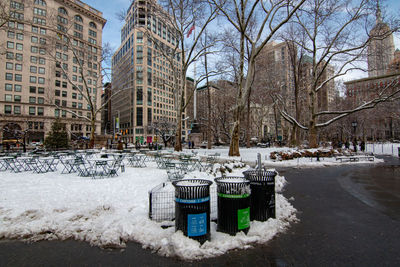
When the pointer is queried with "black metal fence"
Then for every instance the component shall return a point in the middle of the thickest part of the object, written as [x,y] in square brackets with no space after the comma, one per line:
[162,203]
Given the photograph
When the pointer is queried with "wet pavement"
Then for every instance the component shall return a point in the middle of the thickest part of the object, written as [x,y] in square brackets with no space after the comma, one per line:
[349,216]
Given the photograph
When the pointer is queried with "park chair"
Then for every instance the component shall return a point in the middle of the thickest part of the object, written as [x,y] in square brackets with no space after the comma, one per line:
[83,167]
[173,172]
[117,164]
[14,165]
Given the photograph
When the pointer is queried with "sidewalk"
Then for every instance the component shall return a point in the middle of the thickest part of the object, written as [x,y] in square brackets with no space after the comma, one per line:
[342,223]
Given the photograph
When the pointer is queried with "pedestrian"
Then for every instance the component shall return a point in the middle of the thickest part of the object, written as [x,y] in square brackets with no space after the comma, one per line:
[362,146]
[120,145]
[347,144]
[190,145]
[355,145]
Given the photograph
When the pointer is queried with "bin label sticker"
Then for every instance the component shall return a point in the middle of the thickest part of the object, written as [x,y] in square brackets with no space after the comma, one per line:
[233,196]
[192,201]
[197,224]
[244,218]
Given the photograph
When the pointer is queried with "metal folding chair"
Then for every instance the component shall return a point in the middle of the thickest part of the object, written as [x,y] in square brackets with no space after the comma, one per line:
[14,165]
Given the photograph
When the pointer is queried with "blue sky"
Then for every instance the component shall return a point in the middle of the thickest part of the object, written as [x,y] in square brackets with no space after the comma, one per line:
[111,31]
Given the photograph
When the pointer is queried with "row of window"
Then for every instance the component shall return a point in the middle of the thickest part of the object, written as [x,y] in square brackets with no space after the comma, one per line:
[8,109]
[17,98]
[18,78]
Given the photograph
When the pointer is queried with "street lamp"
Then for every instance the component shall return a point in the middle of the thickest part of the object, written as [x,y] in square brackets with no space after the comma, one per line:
[354,124]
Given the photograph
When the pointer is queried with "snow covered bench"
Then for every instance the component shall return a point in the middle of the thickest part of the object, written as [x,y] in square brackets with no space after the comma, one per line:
[355,158]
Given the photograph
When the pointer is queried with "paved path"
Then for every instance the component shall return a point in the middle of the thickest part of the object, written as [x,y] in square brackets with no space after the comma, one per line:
[349,216]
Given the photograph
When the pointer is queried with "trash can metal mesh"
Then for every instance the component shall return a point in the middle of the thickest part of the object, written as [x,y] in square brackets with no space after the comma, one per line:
[262,200]
[192,208]
[162,203]
[233,204]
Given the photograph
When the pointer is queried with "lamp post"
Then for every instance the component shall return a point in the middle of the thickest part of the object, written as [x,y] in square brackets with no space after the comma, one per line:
[354,124]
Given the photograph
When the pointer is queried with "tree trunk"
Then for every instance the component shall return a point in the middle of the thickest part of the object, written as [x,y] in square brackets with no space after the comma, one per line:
[234,145]
[209,141]
[92,131]
[313,143]
[178,133]
[248,132]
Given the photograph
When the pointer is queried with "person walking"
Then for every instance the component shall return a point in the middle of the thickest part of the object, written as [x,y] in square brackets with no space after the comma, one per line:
[355,145]
[362,146]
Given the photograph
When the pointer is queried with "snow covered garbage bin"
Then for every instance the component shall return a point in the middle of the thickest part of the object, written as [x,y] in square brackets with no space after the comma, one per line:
[192,208]
[233,204]
[262,200]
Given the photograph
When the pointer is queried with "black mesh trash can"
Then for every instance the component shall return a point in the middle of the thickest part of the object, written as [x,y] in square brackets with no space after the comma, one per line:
[262,200]
[233,204]
[192,208]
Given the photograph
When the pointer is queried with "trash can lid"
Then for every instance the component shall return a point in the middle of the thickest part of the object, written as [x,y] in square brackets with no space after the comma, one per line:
[233,185]
[231,179]
[192,182]
[260,175]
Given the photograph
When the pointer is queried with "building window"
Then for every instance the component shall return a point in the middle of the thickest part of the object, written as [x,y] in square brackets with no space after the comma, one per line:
[11,34]
[40,90]
[40,2]
[32,99]
[20,36]
[19,46]
[93,25]
[34,49]
[41,80]
[41,70]
[92,33]
[32,79]
[19,57]
[7,98]
[10,45]
[32,110]
[78,27]
[64,93]
[33,59]
[8,87]
[62,20]
[39,11]
[63,113]
[17,88]
[17,109]
[18,77]
[18,67]
[40,111]
[32,89]
[9,66]
[17,98]
[9,55]
[139,95]
[7,109]
[139,116]
[9,76]
[33,69]
[78,18]
[40,100]
[62,10]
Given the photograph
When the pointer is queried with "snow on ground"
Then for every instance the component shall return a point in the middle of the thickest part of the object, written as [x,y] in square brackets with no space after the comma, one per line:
[110,212]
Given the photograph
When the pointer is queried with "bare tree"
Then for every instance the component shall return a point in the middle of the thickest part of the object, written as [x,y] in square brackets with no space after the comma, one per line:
[86,79]
[163,128]
[333,30]
[243,16]
[184,16]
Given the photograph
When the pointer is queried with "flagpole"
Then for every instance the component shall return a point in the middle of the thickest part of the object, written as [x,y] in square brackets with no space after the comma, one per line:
[195,85]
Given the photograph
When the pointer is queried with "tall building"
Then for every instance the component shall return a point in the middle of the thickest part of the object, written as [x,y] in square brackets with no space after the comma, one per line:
[380,48]
[52,48]
[143,73]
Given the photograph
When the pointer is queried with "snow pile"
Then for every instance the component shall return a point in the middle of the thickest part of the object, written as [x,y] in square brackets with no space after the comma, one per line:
[110,212]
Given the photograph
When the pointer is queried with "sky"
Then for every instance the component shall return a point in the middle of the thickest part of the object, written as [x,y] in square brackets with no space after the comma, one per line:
[111,31]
